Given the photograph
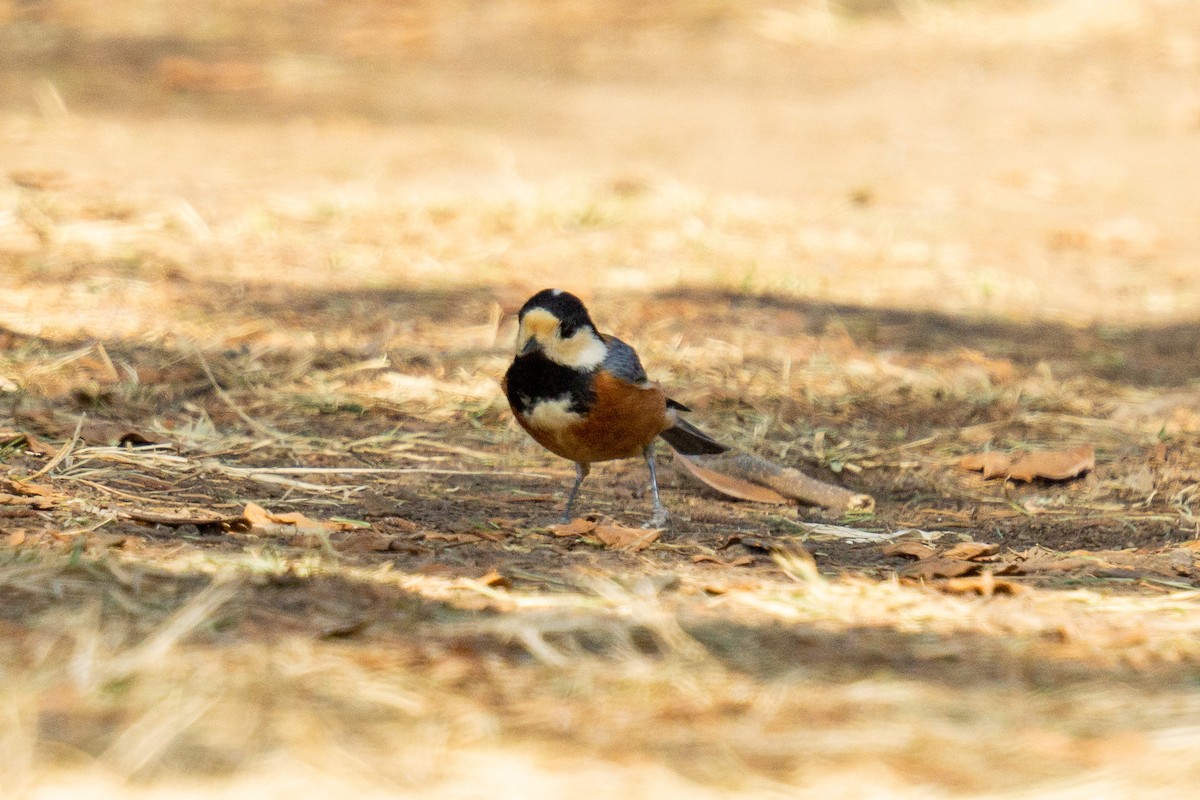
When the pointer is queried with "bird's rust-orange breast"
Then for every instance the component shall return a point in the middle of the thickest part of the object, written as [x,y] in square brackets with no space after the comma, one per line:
[624,419]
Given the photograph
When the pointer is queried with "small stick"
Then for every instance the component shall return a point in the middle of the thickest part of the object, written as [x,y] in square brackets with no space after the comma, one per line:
[234,407]
[61,454]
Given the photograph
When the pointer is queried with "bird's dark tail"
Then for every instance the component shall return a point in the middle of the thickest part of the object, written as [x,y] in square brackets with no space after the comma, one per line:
[689,440]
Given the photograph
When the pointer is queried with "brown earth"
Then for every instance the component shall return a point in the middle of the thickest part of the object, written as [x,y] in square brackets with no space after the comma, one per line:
[275,264]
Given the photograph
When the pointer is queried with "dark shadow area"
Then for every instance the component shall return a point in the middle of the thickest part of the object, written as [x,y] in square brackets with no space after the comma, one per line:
[1143,356]
[1147,356]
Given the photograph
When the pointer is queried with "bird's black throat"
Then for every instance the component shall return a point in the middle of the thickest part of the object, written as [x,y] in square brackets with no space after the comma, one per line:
[533,378]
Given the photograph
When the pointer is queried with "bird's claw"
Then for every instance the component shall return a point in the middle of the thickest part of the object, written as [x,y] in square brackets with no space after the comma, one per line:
[661,518]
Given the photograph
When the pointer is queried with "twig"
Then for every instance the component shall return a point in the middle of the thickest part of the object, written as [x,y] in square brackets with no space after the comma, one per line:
[62,453]
[234,407]
[106,489]
[373,471]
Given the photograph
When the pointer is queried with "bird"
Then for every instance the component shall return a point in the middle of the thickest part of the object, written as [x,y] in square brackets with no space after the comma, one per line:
[584,395]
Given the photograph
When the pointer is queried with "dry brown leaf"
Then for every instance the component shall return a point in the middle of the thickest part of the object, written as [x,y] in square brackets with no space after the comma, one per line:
[257,516]
[35,445]
[363,541]
[16,538]
[941,568]
[740,561]
[40,503]
[178,517]
[494,578]
[619,537]
[24,489]
[576,527]
[731,486]
[969,551]
[984,584]
[291,518]
[262,519]
[453,538]
[991,462]
[909,550]
[490,535]
[1054,465]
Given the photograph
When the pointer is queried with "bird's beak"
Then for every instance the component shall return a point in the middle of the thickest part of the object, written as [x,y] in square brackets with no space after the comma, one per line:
[529,347]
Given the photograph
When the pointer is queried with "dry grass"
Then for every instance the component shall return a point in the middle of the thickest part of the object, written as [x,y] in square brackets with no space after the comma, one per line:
[275,263]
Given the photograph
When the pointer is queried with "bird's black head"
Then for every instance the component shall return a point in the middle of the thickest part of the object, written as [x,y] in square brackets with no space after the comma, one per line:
[557,323]
[563,306]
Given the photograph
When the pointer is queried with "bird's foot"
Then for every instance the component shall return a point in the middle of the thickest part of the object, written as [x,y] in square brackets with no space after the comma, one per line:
[660,518]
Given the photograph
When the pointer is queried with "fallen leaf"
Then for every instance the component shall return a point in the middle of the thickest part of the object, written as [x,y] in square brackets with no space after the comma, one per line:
[452,538]
[257,516]
[179,518]
[909,550]
[16,538]
[490,535]
[621,538]
[291,518]
[991,462]
[40,503]
[27,489]
[32,443]
[494,578]
[740,561]
[1054,465]
[931,568]
[729,485]
[262,519]
[984,584]
[35,445]
[18,493]
[576,527]
[969,551]
[363,542]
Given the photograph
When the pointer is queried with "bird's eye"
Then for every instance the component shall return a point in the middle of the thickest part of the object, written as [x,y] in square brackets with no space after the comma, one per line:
[567,328]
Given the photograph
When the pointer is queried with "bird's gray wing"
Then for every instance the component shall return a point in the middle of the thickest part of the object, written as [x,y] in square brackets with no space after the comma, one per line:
[622,361]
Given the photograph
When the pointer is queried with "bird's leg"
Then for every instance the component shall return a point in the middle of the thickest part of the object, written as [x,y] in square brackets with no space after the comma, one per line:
[582,469]
[659,517]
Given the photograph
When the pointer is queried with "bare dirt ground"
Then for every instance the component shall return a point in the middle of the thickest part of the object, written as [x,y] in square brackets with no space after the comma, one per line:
[266,526]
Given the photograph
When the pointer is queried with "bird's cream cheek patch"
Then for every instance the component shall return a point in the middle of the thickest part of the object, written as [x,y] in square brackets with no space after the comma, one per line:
[584,350]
